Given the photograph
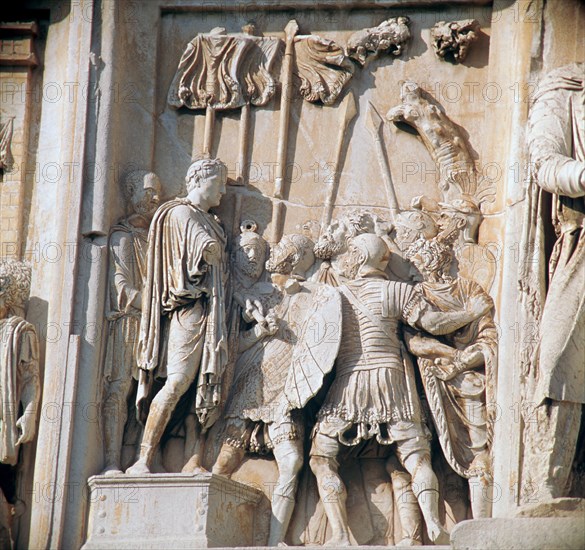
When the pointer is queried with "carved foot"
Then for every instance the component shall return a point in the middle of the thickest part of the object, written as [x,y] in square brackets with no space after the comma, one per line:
[338,540]
[409,542]
[138,469]
[438,534]
[112,470]
[193,467]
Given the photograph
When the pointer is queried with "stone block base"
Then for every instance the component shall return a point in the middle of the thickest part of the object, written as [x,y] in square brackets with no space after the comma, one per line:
[170,511]
[560,533]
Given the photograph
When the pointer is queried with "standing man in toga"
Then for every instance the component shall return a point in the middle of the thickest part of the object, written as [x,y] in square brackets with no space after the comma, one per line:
[183,335]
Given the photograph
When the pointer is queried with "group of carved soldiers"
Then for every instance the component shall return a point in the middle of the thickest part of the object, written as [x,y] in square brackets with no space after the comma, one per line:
[255,350]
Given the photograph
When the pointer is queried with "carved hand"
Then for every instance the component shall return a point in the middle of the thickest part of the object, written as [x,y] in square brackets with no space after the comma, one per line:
[443,370]
[26,425]
[471,357]
[254,311]
[271,326]
[212,254]
[479,305]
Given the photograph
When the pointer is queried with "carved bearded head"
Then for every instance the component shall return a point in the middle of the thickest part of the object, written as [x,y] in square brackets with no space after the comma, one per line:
[460,215]
[15,280]
[293,255]
[334,239]
[411,225]
[142,192]
[432,258]
[249,255]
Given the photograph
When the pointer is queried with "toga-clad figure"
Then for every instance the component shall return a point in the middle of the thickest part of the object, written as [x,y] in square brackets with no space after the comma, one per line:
[20,387]
[557,153]
[183,335]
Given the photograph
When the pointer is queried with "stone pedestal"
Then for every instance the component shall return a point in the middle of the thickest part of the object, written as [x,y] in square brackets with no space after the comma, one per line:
[170,511]
[560,533]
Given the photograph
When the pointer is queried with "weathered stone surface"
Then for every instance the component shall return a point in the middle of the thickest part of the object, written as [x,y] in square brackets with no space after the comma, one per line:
[557,508]
[346,140]
[170,511]
[519,534]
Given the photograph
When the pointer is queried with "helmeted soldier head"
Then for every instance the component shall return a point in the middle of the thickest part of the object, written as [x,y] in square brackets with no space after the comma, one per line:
[293,255]
[250,252]
[369,255]
[142,192]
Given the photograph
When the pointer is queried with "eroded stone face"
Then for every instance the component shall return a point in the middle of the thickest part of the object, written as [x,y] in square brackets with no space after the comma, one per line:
[329,315]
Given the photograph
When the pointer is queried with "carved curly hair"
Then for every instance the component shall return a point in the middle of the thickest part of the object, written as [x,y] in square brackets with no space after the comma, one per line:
[435,254]
[15,277]
[202,168]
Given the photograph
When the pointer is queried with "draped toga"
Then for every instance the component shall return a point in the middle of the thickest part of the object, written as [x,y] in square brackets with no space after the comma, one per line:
[179,278]
[19,366]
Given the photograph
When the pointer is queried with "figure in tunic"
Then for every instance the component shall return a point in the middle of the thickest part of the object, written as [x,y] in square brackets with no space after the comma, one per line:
[458,371]
[183,335]
[20,387]
[246,268]
[557,152]
[281,367]
[127,245]
[374,394]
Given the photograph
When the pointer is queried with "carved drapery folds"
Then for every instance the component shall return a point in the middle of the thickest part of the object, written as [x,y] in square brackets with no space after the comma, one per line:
[223,351]
[20,386]
[553,315]
[6,159]
[322,68]
[224,71]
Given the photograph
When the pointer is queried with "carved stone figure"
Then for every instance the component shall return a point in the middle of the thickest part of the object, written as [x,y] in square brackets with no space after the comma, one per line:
[411,225]
[282,364]
[127,246]
[6,158]
[557,151]
[374,394]
[389,36]
[452,40]
[332,244]
[248,257]
[20,387]
[458,373]
[183,335]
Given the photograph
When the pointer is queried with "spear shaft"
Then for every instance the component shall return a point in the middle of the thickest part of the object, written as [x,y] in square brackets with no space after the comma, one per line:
[374,125]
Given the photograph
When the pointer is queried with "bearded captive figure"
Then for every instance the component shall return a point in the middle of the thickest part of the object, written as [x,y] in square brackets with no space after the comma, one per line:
[373,394]
[19,380]
[458,373]
[283,361]
[183,335]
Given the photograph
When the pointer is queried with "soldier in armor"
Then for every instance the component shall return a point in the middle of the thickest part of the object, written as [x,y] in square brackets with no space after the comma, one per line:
[374,394]
[127,245]
[283,360]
